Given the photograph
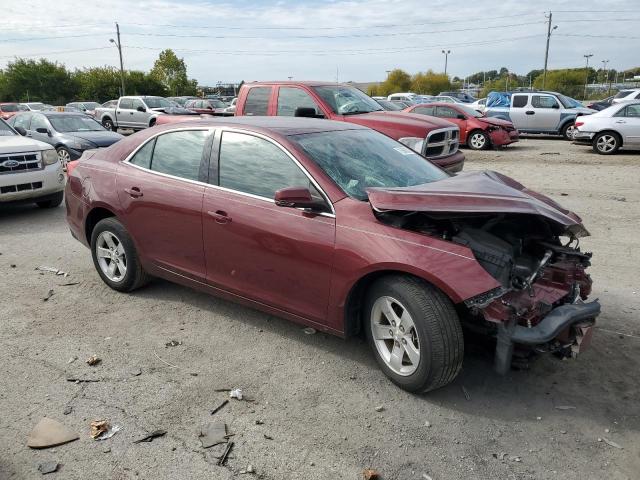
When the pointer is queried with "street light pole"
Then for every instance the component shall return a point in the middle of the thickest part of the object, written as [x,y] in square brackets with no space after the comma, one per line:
[546,53]
[586,80]
[446,59]
[119,45]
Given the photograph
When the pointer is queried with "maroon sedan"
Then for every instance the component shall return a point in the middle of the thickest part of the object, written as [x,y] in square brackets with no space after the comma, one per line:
[207,106]
[341,228]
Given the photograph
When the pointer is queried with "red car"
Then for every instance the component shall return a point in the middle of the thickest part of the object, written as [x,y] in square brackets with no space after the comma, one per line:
[341,228]
[8,110]
[207,106]
[476,131]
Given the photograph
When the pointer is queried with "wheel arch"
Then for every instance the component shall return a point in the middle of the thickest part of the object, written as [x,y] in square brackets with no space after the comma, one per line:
[355,298]
[93,217]
[611,131]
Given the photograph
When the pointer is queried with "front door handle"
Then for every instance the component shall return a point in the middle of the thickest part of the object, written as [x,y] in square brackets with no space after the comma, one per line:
[220,216]
[134,192]
[621,121]
[530,112]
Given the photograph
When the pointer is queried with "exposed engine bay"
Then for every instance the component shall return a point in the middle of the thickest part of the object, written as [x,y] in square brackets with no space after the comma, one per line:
[524,253]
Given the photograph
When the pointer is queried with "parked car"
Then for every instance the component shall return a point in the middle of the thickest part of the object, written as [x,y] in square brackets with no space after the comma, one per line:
[435,138]
[537,112]
[401,103]
[208,107]
[9,109]
[611,129]
[476,130]
[341,228]
[37,106]
[479,104]
[86,107]
[133,112]
[182,101]
[390,106]
[29,170]
[601,104]
[405,97]
[69,133]
[445,99]
[231,109]
[626,95]
[462,96]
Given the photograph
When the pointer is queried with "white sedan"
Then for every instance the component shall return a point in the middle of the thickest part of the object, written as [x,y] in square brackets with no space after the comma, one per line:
[611,129]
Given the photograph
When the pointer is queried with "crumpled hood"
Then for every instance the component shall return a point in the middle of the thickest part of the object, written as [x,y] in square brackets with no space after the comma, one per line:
[409,123]
[476,192]
[496,121]
[98,138]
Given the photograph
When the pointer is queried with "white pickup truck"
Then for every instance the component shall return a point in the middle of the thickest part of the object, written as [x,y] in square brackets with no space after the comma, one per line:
[134,113]
[29,170]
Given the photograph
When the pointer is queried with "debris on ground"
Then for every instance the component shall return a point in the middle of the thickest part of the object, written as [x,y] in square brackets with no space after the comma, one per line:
[249,469]
[82,380]
[48,467]
[426,477]
[213,433]
[67,410]
[225,455]
[219,407]
[309,330]
[427,424]
[101,430]
[563,194]
[379,408]
[236,393]
[50,433]
[267,437]
[72,359]
[565,407]
[259,422]
[13,265]
[151,436]
[93,360]
[70,284]
[52,270]
[370,474]
[611,443]
[48,295]
[466,394]
[550,153]
[173,343]
[135,372]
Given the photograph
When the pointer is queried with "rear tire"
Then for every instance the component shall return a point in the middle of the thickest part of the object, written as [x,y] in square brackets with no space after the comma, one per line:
[108,124]
[430,347]
[606,143]
[115,256]
[53,202]
[478,140]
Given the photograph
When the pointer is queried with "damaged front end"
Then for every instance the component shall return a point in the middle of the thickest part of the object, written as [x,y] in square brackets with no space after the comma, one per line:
[524,240]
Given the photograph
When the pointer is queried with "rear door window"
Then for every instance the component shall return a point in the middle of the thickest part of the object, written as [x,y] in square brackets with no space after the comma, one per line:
[520,101]
[125,104]
[142,158]
[257,102]
[179,153]
[446,112]
[632,111]
[543,101]
[425,110]
[291,98]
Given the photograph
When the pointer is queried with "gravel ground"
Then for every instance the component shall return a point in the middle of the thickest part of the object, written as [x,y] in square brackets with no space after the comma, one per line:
[314,396]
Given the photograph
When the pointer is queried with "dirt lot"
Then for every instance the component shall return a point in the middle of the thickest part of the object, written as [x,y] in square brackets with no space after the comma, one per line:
[315,395]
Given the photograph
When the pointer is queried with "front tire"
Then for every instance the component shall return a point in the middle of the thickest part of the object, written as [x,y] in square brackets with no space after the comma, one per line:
[115,256]
[569,131]
[606,143]
[414,332]
[478,140]
[52,202]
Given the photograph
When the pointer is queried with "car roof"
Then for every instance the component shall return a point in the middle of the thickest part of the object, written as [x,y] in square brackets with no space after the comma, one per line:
[49,113]
[308,83]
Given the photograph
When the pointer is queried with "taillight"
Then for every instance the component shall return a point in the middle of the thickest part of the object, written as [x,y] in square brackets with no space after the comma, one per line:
[579,124]
[71,166]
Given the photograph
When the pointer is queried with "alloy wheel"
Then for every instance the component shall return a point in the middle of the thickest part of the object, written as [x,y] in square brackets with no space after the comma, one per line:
[571,132]
[395,336]
[478,141]
[606,143]
[64,157]
[111,256]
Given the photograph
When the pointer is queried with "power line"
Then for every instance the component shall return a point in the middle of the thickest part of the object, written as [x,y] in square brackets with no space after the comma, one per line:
[597,36]
[11,40]
[54,53]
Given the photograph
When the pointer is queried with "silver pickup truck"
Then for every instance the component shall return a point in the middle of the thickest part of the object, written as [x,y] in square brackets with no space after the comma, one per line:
[134,113]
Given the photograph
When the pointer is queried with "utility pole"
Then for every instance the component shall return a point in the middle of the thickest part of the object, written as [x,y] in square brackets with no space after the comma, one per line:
[446,59]
[119,45]
[604,69]
[546,53]
[586,80]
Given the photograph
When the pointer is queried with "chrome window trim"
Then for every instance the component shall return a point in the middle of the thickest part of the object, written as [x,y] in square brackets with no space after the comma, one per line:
[128,158]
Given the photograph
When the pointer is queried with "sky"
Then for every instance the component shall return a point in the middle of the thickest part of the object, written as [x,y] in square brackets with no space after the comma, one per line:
[348,40]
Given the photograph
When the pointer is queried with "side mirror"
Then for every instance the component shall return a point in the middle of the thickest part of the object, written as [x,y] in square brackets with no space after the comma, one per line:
[20,130]
[556,106]
[209,107]
[43,130]
[141,109]
[296,197]
[461,117]
[306,112]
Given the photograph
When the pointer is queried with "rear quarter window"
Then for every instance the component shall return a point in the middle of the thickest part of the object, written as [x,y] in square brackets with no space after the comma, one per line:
[520,101]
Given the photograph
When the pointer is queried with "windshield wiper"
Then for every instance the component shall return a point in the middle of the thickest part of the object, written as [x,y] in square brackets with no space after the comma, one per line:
[357,112]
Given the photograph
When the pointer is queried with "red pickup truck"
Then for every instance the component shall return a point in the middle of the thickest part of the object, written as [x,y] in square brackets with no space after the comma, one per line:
[436,139]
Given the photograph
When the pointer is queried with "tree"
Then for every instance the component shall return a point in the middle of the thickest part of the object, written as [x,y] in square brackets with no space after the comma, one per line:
[171,72]
[430,83]
[568,81]
[397,81]
[40,80]
[141,83]
[98,83]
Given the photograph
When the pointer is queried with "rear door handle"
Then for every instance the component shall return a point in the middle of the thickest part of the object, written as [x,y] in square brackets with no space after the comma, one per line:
[530,112]
[134,192]
[220,216]
[621,121]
